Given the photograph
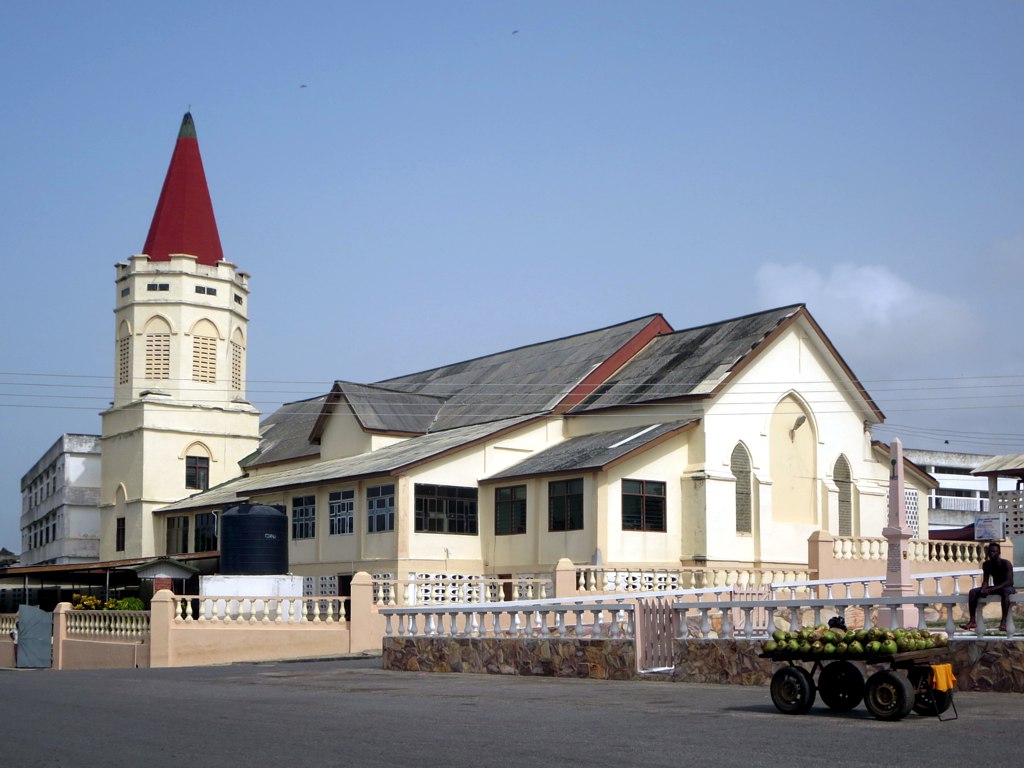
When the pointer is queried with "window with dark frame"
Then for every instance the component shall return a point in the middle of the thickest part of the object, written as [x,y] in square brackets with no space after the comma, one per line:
[510,510]
[565,505]
[643,505]
[445,509]
[177,535]
[206,532]
[740,467]
[380,508]
[303,517]
[197,472]
[340,511]
[119,535]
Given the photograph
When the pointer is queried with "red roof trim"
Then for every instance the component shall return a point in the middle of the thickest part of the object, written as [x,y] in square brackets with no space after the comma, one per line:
[657,326]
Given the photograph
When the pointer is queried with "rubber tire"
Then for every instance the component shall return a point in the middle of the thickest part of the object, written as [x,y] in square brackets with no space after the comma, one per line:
[888,695]
[928,701]
[792,690]
[841,685]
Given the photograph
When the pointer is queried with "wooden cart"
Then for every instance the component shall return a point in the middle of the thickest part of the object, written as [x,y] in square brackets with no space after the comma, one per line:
[888,694]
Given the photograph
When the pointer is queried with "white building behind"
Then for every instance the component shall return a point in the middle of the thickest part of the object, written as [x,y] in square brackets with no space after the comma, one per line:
[60,495]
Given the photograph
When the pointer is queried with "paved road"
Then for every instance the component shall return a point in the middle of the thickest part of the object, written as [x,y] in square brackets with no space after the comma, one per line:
[352,713]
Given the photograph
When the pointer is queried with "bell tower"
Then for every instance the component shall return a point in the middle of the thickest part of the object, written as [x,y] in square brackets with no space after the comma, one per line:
[180,421]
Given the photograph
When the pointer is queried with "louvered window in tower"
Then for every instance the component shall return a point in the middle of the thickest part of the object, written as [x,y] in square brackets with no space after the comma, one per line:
[158,355]
[236,365]
[123,359]
[204,359]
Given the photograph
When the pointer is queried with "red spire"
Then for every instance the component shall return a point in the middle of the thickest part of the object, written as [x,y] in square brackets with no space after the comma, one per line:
[184,221]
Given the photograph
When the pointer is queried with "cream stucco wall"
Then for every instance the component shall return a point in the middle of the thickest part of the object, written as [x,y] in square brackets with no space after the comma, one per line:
[155,423]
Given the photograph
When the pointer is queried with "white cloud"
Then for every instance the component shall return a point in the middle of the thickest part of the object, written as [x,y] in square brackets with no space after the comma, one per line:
[877,319]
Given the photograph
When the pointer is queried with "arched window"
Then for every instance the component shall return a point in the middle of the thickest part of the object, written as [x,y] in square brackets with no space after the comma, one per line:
[793,467]
[197,467]
[204,352]
[844,482]
[124,352]
[158,349]
[740,466]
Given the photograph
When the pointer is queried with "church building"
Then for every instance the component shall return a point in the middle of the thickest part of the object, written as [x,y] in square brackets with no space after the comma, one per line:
[635,445]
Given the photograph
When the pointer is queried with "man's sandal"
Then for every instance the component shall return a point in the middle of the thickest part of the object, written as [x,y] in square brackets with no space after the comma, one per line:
[969,626]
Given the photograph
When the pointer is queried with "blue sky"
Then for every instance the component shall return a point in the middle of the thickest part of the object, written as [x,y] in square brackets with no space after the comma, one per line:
[458,178]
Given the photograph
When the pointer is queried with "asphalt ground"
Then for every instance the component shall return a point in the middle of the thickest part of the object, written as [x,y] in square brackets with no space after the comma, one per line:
[352,713]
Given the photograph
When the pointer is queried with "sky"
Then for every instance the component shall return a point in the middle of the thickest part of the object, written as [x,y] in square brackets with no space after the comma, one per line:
[411,184]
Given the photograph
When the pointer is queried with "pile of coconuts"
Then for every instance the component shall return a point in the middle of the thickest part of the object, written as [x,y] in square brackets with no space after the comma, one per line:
[823,640]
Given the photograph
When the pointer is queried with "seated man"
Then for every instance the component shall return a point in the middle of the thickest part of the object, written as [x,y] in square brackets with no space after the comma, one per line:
[998,571]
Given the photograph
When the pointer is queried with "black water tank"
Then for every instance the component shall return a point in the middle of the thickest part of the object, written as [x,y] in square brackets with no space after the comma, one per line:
[254,540]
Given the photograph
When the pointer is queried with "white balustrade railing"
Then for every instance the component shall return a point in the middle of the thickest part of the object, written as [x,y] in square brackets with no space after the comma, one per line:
[119,624]
[318,609]
[457,589]
[918,550]
[597,579]
[716,619]
[7,622]
[514,620]
[957,582]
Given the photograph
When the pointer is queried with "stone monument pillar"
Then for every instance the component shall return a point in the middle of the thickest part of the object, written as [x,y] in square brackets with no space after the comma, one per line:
[897,533]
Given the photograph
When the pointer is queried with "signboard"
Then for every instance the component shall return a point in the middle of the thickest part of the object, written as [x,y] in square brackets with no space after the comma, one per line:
[990,527]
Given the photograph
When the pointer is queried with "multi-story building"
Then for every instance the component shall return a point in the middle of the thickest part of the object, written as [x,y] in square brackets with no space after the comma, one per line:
[60,515]
[960,495]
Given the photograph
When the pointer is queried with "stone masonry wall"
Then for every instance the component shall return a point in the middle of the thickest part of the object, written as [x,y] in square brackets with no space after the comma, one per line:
[601,659]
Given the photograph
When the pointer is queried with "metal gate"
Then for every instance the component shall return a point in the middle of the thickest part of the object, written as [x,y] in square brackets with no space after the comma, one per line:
[35,638]
[657,625]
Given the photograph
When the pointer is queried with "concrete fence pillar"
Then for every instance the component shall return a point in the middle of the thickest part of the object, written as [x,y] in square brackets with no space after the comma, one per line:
[60,633]
[564,578]
[364,623]
[161,620]
[820,560]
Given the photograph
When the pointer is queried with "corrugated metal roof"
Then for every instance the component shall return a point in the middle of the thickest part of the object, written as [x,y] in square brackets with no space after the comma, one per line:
[529,379]
[1007,464]
[387,410]
[688,362]
[284,434]
[591,452]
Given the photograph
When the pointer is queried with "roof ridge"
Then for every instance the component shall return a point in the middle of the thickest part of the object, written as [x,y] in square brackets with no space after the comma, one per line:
[526,346]
[795,307]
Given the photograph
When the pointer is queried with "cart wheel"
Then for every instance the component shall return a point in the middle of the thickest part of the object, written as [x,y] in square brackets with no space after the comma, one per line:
[927,701]
[841,685]
[792,690]
[888,695]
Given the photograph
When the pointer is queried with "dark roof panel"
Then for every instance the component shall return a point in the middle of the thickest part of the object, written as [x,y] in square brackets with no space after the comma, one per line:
[688,362]
[520,381]
[591,452]
[385,410]
[284,434]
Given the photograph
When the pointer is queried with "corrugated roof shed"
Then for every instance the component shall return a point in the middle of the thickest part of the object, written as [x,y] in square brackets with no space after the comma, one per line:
[1004,465]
